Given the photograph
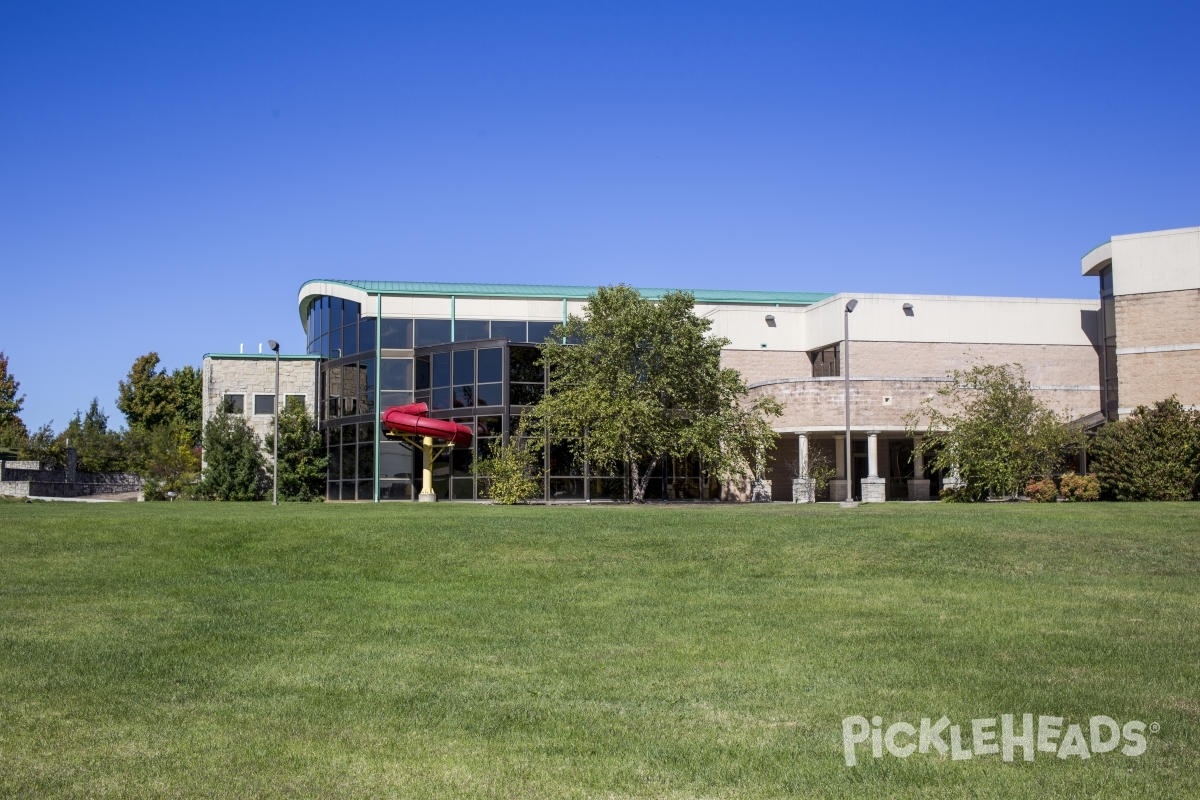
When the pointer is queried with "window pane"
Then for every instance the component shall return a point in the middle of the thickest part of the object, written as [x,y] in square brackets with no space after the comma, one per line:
[235,403]
[464,396]
[395,490]
[513,331]
[488,426]
[441,399]
[397,374]
[464,366]
[467,329]
[395,461]
[441,369]
[350,338]
[491,364]
[432,331]
[490,394]
[389,399]
[396,334]
[464,489]
[264,404]
[421,376]
[523,365]
[540,331]
[524,394]
[566,488]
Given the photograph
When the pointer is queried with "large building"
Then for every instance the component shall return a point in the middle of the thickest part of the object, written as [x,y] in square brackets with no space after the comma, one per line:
[470,352]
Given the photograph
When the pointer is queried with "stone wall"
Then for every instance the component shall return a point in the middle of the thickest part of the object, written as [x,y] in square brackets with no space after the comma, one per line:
[31,479]
[251,375]
[819,404]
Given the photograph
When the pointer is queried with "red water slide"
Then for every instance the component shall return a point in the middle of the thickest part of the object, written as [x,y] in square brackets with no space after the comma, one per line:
[412,419]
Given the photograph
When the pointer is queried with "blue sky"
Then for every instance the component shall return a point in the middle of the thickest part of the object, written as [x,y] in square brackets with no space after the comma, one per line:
[172,173]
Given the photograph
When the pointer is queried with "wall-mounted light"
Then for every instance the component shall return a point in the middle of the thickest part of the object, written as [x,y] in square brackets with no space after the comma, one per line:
[908,309]
[770,320]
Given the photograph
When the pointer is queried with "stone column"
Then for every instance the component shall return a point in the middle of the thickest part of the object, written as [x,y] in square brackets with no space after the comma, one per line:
[804,489]
[874,488]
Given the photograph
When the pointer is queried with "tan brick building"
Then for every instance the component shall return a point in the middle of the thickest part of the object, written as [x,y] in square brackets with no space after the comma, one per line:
[1150,322]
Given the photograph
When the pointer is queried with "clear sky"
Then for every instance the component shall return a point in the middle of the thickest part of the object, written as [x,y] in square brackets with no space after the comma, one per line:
[172,172]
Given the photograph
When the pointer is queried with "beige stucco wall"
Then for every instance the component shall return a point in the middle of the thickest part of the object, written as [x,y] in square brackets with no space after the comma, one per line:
[1157,261]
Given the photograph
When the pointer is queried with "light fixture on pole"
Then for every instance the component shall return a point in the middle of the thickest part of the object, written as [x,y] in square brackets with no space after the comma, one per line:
[274,345]
[850,306]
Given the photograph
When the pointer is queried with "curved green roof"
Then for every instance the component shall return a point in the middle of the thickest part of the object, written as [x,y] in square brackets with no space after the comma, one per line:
[548,291]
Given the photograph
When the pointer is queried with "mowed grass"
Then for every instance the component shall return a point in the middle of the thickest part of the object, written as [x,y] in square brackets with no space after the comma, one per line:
[227,650]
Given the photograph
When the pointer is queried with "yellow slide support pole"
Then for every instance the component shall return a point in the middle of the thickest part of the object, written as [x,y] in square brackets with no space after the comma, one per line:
[427,495]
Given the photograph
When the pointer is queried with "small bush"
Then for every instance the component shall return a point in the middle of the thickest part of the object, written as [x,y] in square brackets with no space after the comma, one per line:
[1080,488]
[511,473]
[1042,491]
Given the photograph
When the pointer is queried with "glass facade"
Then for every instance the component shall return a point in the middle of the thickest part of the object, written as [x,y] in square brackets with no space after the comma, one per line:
[480,373]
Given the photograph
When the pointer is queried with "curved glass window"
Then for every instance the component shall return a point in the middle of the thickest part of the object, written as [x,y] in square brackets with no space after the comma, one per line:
[366,334]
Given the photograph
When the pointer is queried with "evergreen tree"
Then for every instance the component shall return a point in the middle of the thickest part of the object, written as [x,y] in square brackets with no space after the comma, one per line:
[302,459]
[234,467]
[98,448]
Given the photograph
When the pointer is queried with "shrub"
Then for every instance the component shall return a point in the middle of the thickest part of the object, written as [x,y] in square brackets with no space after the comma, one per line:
[1079,488]
[1154,454]
[1042,491]
[511,472]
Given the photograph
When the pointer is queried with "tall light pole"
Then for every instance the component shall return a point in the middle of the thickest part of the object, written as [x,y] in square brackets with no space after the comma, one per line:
[275,439]
[850,306]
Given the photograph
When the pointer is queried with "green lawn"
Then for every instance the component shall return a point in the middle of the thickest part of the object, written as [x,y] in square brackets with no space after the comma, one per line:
[227,650]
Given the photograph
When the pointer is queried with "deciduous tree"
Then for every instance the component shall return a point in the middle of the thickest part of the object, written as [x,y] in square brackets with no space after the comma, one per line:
[13,432]
[150,397]
[642,380]
[986,425]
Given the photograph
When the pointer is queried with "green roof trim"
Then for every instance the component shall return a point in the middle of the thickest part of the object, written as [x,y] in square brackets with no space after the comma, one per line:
[548,291]
[265,356]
